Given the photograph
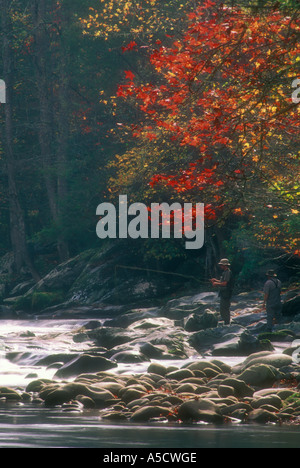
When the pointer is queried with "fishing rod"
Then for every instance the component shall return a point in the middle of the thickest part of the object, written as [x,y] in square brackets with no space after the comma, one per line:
[149,270]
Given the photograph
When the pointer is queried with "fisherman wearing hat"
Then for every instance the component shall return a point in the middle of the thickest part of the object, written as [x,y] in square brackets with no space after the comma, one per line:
[272,298]
[225,283]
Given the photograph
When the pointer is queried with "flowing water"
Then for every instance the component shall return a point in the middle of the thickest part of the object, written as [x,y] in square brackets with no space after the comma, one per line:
[24,425]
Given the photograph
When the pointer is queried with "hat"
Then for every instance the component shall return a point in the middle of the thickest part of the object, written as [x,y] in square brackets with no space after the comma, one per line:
[271,273]
[224,262]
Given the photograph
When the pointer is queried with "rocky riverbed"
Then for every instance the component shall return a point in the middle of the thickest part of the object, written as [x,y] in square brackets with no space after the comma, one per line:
[174,363]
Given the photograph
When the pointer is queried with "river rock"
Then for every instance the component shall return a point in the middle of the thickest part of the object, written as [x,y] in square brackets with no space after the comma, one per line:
[68,392]
[203,321]
[274,359]
[241,345]
[157,368]
[151,351]
[260,375]
[262,416]
[111,337]
[210,337]
[180,374]
[272,400]
[85,363]
[225,391]
[202,366]
[129,357]
[131,394]
[10,394]
[241,389]
[200,410]
[149,412]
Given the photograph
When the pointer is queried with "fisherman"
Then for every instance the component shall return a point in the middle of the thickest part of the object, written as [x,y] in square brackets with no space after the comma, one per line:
[225,285]
[272,298]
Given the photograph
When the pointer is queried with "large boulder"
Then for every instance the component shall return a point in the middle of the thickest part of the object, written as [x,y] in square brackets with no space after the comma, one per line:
[212,336]
[85,363]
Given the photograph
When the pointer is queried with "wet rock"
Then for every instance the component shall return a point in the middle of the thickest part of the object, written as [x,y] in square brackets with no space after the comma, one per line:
[262,416]
[230,410]
[132,394]
[203,321]
[241,389]
[129,357]
[37,385]
[276,360]
[241,345]
[157,368]
[272,400]
[85,363]
[149,412]
[68,392]
[202,366]
[200,410]
[86,401]
[213,336]
[260,375]
[225,391]
[117,416]
[10,394]
[180,374]
[151,351]
[111,337]
[279,336]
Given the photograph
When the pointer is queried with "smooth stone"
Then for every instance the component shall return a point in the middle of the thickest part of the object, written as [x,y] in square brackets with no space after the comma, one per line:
[148,412]
[225,391]
[241,388]
[83,364]
[272,400]
[158,369]
[200,410]
[180,374]
[259,375]
[262,416]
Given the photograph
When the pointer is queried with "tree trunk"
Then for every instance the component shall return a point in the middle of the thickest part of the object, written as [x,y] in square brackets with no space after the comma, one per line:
[17,223]
[63,136]
[53,164]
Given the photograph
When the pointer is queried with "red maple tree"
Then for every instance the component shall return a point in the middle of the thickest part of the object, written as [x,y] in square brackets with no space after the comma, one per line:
[224,89]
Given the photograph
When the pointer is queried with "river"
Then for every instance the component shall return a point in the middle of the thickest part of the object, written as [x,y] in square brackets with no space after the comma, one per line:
[24,425]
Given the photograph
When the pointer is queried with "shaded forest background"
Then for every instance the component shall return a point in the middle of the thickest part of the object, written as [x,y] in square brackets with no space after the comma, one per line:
[67,143]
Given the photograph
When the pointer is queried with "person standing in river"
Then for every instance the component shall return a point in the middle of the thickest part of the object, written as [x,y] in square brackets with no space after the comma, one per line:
[272,298]
[225,285]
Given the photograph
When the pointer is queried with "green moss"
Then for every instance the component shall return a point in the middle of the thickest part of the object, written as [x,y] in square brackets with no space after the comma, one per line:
[293,400]
[276,336]
[39,301]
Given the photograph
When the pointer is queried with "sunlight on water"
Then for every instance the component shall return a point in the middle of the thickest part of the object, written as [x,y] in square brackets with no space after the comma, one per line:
[23,343]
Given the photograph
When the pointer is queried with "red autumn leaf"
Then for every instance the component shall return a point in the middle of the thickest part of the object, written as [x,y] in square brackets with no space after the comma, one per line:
[129,75]
[131,46]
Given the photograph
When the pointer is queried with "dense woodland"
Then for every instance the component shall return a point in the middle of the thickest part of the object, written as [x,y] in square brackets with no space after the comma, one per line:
[163,101]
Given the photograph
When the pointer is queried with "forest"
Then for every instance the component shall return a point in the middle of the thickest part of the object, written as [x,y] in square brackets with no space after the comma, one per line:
[164,102]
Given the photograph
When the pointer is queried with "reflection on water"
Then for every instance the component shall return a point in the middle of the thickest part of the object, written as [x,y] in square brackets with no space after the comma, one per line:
[34,427]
